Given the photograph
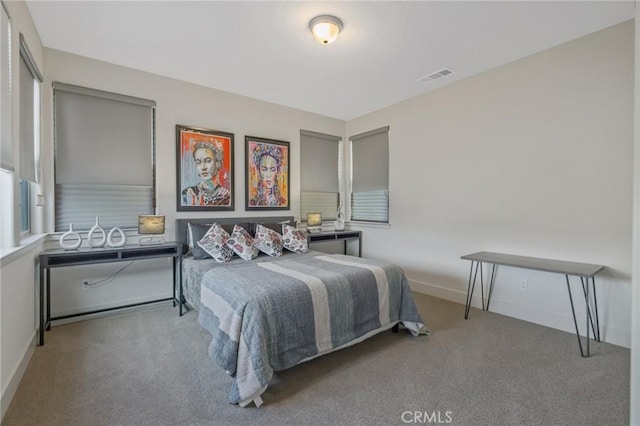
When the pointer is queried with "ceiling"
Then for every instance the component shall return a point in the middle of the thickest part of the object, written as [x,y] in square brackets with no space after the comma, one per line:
[264,50]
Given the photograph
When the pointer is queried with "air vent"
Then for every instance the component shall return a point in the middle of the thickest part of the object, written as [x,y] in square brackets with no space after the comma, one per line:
[436,75]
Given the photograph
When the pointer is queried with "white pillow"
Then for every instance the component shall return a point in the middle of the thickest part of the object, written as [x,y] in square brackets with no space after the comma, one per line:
[242,243]
[268,241]
[214,243]
[294,239]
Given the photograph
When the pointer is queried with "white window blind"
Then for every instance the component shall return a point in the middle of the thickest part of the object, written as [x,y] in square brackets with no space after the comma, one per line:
[6,141]
[370,176]
[104,160]
[30,79]
[319,174]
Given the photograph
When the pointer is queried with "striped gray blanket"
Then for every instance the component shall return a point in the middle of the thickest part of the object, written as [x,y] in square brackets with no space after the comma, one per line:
[266,317]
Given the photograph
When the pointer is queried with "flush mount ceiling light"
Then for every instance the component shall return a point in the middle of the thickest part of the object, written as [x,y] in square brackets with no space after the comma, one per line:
[325,28]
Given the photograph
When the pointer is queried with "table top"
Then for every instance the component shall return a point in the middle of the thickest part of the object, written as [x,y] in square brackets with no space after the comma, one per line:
[127,247]
[536,263]
[328,232]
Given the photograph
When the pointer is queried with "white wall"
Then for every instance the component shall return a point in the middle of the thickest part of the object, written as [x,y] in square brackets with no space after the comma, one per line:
[18,296]
[635,304]
[532,158]
[177,103]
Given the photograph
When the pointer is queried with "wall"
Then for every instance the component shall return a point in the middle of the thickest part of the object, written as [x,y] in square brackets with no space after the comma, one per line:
[17,270]
[634,417]
[177,103]
[531,158]
[18,303]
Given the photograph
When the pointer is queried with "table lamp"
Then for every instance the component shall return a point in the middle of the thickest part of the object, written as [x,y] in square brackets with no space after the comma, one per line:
[314,222]
[152,229]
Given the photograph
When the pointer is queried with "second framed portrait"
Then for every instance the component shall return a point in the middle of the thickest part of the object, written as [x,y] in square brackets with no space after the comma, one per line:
[204,169]
[267,174]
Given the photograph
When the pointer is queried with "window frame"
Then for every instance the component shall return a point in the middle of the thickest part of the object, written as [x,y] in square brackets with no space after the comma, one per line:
[28,179]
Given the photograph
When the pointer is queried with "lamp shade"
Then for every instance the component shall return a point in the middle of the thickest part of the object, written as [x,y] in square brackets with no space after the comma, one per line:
[314,219]
[325,28]
[150,224]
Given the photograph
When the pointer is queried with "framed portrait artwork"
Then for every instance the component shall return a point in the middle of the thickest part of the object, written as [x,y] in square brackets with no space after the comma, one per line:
[204,169]
[267,174]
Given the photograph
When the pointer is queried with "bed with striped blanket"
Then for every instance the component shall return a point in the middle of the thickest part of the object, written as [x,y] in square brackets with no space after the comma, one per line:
[269,316]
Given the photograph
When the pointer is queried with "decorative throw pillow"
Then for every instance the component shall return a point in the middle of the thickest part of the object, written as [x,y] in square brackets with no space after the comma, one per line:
[242,243]
[276,226]
[214,243]
[195,234]
[294,239]
[268,241]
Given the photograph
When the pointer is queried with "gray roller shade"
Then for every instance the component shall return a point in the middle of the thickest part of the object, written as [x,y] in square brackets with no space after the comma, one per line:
[104,157]
[370,176]
[27,116]
[319,174]
[370,160]
[6,141]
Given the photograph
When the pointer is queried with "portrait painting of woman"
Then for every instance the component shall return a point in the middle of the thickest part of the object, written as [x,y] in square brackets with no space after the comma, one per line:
[205,169]
[267,174]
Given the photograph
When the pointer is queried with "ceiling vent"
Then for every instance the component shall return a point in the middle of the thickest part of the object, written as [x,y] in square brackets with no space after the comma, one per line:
[436,75]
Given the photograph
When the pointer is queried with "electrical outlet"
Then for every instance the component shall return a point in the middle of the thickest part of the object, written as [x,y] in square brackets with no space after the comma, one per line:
[524,285]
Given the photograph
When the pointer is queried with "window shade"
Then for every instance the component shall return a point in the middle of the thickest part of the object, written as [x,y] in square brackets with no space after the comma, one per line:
[104,157]
[370,176]
[27,116]
[30,77]
[319,174]
[6,141]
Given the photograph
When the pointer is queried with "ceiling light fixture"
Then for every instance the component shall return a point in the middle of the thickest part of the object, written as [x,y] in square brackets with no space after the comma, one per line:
[325,28]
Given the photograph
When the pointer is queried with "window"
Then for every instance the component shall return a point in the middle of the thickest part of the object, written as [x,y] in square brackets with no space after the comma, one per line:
[6,142]
[370,176]
[319,174]
[6,134]
[104,157]
[30,79]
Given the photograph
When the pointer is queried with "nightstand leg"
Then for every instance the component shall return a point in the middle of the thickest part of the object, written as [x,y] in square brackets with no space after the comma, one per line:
[41,331]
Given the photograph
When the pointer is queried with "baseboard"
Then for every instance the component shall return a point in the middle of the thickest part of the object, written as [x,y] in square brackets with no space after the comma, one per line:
[614,335]
[16,376]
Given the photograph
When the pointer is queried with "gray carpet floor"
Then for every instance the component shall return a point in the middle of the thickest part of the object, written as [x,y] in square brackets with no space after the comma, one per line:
[150,367]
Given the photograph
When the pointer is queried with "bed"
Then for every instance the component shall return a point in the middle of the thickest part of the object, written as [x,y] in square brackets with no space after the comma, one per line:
[271,313]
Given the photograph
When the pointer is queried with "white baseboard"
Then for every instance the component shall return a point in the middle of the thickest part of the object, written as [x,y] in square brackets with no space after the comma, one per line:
[613,335]
[16,376]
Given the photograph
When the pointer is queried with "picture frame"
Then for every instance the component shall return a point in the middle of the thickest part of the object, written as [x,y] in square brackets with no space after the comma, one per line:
[267,174]
[204,169]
